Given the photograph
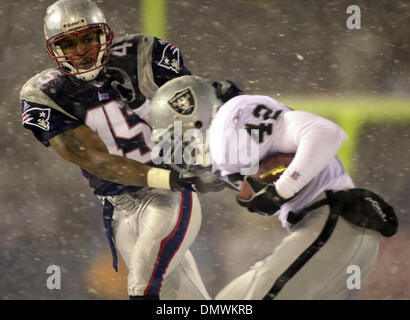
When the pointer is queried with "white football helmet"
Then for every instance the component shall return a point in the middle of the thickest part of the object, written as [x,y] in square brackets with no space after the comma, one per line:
[181,104]
[66,18]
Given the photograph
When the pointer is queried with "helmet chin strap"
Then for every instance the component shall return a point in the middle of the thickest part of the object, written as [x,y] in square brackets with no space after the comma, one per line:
[90,75]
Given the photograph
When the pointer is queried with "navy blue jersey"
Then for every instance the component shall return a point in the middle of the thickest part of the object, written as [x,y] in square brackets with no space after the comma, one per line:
[115,104]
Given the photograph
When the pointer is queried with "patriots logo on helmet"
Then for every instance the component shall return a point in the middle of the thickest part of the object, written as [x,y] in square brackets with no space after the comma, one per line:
[38,117]
[183,102]
[170,58]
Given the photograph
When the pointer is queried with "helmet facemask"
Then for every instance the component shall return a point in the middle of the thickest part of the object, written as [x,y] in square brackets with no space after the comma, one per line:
[97,55]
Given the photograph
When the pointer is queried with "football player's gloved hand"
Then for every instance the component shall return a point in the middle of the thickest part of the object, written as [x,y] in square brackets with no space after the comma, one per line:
[197,183]
[264,200]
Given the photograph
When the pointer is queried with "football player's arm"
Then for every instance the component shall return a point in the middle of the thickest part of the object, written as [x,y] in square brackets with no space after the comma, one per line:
[83,147]
[316,141]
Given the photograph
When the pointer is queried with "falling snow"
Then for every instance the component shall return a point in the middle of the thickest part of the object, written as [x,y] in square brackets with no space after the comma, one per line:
[284,49]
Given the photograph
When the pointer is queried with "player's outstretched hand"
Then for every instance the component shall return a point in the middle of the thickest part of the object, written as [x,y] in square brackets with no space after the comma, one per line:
[264,200]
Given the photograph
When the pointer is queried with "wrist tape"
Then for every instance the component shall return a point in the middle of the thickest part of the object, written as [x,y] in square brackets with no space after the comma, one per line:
[158,178]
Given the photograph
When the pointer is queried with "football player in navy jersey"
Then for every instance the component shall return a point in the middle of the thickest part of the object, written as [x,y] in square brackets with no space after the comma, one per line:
[93,111]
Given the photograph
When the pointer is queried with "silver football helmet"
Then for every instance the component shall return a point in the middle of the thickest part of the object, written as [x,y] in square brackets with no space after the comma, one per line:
[184,103]
[67,18]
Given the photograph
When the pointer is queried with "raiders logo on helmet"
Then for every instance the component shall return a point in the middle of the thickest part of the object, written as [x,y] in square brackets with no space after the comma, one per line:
[183,102]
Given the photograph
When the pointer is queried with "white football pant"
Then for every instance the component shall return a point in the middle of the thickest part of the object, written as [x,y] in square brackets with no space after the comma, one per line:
[153,229]
[292,272]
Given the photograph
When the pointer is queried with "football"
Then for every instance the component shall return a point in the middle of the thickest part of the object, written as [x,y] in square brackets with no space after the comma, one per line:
[270,169]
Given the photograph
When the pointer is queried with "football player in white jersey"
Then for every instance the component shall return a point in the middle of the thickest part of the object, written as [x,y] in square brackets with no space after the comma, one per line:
[332,225]
[93,111]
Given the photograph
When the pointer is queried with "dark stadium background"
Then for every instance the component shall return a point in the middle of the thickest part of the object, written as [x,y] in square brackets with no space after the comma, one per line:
[287,49]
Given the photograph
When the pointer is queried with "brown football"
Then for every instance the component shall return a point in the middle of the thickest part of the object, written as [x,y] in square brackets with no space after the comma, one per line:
[270,169]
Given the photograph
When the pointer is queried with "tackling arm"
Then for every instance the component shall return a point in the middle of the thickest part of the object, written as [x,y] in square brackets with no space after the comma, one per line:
[83,147]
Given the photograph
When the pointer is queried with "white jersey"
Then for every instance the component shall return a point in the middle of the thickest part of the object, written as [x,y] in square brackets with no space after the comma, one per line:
[314,140]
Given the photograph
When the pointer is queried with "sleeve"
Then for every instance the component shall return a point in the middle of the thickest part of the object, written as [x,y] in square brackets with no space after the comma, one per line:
[167,62]
[315,141]
[242,133]
[45,122]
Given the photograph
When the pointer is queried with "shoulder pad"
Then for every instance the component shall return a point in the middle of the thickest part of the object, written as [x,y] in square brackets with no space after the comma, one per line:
[34,89]
[40,81]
